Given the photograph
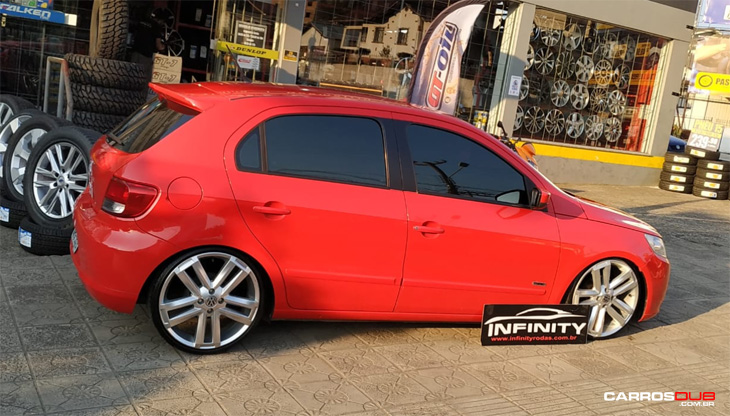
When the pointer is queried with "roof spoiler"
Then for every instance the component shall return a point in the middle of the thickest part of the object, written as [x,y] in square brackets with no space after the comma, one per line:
[168,94]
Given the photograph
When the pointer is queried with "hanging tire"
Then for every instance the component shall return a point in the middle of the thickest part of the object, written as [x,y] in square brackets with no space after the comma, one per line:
[713,175]
[701,153]
[100,72]
[710,193]
[711,185]
[11,105]
[11,213]
[10,128]
[97,121]
[19,148]
[682,169]
[109,28]
[43,241]
[680,158]
[106,100]
[676,187]
[676,177]
[57,174]
[716,165]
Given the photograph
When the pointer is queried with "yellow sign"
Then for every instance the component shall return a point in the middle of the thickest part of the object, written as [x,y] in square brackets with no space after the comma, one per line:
[643,48]
[713,82]
[246,50]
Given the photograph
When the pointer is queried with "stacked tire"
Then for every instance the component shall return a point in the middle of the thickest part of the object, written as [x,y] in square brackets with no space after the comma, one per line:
[712,179]
[678,173]
[106,89]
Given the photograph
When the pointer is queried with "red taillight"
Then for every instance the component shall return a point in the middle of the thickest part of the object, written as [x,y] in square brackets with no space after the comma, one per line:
[128,199]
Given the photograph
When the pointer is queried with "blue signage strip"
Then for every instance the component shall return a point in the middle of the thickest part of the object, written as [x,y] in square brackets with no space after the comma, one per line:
[35,13]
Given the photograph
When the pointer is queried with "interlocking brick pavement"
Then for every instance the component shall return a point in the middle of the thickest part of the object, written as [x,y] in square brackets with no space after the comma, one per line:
[62,353]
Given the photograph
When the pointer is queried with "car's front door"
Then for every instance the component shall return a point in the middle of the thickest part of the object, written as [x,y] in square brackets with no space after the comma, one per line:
[320,201]
[472,238]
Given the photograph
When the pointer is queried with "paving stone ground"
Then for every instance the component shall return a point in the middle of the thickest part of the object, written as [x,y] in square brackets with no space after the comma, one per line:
[62,353]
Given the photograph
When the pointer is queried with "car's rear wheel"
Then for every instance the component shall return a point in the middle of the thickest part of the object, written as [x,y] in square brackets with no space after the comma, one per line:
[207,300]
[611,289]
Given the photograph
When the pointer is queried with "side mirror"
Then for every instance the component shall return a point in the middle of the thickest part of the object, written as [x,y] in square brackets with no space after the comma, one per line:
[539,199]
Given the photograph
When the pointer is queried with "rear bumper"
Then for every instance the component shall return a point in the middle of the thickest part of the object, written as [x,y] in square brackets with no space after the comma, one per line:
[656,276]
[114,257]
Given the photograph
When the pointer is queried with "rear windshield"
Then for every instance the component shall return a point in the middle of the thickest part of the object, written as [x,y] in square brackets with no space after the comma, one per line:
[150,124]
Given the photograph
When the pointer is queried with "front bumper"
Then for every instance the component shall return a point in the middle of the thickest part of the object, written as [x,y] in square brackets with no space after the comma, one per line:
[114,257]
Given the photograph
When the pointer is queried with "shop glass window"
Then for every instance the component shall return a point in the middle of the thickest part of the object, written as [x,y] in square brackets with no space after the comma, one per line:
[587,83]
[333,148]
[351,38]
[447,164]
[402,36]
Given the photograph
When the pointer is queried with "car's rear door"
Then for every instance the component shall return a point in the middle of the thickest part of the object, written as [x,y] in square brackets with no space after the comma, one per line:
[315,187]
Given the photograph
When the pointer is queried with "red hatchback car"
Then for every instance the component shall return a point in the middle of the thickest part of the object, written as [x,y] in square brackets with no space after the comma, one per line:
[221,204]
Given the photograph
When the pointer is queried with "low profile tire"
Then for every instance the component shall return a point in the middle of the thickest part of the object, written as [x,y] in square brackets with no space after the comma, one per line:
[108,73]
[680,158]
[97,121]
[207,300]
[676,177]
[109,28]
[11,127]
[611,289]
[19,149]
[713,175]
[682,188]
[679,168]
[701,153]
[716,165]
[11,213]
[56,175]
[11,105]
[43,241]
[709,193]
[106,100]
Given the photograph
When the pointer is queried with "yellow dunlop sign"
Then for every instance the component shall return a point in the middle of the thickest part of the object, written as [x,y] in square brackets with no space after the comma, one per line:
[246,50]
[713,82]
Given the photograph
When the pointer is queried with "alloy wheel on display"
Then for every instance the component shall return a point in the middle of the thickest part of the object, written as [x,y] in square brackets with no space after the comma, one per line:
[572,37]
[602,51]
[530,57]
[612,129]
[18,160]
[560,93]
[621,76]
[554,122]
[565,65]
[534,119]
[519,118]
[550,37]
[544,61]
[593,128]
[524,88]
[535,35]
[209,300]
[5,113]
[589,45]
[630,43]
[584,68]
[603,72]
[59,178]
[616,103]
[7,131]
[574,125]
[611,289]
[579,96]
[599,100]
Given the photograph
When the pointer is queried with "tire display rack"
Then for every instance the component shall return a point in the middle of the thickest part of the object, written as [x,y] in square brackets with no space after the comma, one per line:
[586,82]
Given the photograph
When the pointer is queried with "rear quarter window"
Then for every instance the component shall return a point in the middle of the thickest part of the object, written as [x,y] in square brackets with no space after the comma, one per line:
[154,121]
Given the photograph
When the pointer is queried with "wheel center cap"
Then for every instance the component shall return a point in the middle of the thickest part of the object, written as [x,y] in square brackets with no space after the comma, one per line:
[211,302]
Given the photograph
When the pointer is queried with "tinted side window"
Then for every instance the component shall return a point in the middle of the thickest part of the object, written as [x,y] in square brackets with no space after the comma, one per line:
[341,149]
[148,125]
[449,164]
[248,152]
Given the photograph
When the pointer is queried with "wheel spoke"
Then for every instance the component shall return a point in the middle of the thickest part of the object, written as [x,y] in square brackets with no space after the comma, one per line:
[188,282]
[200,330]
[183,317]
[622,306]
[202,274]
[242,302]
[63,200]
[74,187]
[589,302]
[70,158]
[238,317]
[59,155]
[52,160]
[586,293]
[215,321]
[235,281]
[178,303]
[616,315]
[51,194]
[606,277]
[596,275]
[600,320]
[223,273]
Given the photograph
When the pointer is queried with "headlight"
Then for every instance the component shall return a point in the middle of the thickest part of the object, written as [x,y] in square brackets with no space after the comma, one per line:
[657,245]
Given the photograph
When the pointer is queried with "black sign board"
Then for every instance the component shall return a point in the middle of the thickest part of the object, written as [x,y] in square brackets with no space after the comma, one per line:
[535,324]
[251,34]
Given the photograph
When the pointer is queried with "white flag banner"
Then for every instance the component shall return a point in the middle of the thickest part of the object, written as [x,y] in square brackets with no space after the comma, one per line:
[435,83]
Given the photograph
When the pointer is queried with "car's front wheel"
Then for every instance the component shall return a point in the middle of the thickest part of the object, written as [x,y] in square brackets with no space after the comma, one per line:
[207,300]
[612,291]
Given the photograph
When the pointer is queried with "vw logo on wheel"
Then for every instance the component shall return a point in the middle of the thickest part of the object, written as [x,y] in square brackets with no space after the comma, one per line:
[211,301]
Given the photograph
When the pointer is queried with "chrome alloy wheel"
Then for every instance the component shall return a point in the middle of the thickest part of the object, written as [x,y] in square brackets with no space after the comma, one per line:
[5,113]
[572,37]
[584,68]
[519,118]
[209,300]
[530,57]
[574,125]
[524,88]
[18,160]
[611,289]
[560,93]
[59,178]
[10,127]
[544,61]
